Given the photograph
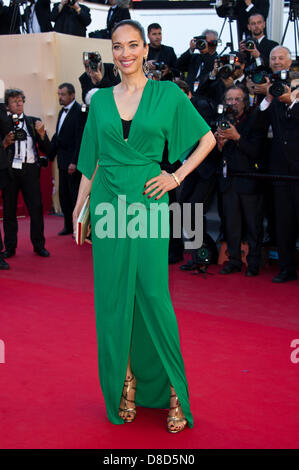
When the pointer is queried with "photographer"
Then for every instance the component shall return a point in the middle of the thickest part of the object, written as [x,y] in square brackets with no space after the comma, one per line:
[70,18]
[199,65]
[228,70]
[97,74]
[257,45]
[26,139]
[241,10]
[7,15]
[239,143]
[160,57]
[118,11]
[280,109]
[37,16]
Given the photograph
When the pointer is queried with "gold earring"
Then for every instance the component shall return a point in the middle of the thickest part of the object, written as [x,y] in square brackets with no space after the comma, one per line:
[145,67]
[115,70]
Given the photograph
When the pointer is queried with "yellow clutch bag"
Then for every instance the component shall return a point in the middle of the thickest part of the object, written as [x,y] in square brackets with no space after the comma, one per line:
[83,222]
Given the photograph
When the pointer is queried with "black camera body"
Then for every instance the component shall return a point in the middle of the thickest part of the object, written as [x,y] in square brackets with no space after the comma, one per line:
[19,134]
[250,43]
[71,2]
[202,43]
[160,66]
[94,59]
[226,115]
[279,81]
[226,65]
[257,72]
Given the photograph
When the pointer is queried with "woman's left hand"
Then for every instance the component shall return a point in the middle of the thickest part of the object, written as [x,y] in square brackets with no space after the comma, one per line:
[162,183]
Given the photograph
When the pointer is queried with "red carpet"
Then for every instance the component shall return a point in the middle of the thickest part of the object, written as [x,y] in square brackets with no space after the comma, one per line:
[235,334]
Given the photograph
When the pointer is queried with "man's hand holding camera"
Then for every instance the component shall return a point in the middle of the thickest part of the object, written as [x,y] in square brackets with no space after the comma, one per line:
[228,134]
[96,76]
[252,50]
[71,4]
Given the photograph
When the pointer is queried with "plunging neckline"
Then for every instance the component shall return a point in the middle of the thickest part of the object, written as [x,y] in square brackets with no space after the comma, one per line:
[136,112]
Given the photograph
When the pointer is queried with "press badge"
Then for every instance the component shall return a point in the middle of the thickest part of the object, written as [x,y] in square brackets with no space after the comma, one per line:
[17,163]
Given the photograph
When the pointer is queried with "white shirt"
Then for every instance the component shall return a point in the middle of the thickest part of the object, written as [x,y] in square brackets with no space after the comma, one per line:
[26,146]
[63,115]
[239,79]
[34,26]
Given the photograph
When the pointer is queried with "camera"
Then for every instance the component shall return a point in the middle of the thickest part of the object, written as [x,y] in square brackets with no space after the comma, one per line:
[19,134]
[279,81]
[160,66]
[229,7]
[227,115]
[226,65]
[250,43]
[202,43]
[94,59]
[256,72]
[71,2]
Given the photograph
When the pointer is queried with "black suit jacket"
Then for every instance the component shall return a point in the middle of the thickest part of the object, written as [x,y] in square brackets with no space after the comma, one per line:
[164,54]
[118,15]
[66,144]
[284,157]
[68,21]
[39,145]
[260,6]
[109,79]
[6,16]
[190,63]
[43,13]
[264,47]
[242,156]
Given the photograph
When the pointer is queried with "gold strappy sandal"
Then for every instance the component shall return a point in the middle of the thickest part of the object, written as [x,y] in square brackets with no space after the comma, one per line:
[173,421]
[130,385]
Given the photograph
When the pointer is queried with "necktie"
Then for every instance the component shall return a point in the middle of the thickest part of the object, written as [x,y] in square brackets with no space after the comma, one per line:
[65,110]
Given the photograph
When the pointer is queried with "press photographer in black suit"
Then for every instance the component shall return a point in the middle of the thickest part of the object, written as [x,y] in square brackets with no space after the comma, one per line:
[37,16]
[158,52]
[70,18]
[66,145]
[117,12]
[217,84]
[239,147]
[282,112]
[242,11]
[262,45]
[199,65]
[102,77]
[25,165]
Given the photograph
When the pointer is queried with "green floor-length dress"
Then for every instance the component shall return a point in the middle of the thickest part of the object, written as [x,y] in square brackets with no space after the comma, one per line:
[134,313]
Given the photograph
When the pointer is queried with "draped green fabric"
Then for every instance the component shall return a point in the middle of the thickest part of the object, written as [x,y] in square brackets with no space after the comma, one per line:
[132,301]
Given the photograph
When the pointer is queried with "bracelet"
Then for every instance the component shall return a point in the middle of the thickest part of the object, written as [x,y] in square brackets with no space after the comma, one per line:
[79,10]
[176,179]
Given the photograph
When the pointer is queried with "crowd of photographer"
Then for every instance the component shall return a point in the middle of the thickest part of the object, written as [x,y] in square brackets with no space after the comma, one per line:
[66,16]
[249,98]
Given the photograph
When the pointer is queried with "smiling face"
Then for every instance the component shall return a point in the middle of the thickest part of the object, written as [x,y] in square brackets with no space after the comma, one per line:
[128,50]
[280,59]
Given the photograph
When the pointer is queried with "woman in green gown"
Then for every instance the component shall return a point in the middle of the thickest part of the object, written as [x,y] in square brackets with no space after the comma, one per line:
[140,361]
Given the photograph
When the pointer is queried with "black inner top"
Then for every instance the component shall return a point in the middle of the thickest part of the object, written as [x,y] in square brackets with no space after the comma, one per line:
[126,127]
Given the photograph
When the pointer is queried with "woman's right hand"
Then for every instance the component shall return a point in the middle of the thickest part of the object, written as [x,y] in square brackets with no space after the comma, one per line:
[76,213]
